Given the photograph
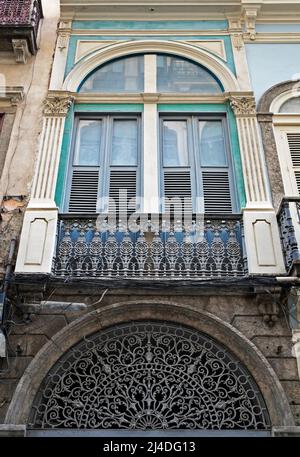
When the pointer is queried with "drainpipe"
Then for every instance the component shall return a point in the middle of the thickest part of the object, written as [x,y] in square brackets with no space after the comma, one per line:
[3,295]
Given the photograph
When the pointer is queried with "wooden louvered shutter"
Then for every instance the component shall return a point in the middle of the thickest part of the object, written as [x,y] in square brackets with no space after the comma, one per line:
[216,189]
[84,176]
[294,147]
[84,191]
[126,181]
[177,183]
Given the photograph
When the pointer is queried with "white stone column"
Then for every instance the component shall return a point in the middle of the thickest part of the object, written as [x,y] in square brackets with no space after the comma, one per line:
[37,242]
[150,139]
[264,251]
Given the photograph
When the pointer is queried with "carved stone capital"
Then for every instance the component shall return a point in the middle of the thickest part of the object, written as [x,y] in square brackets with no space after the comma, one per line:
[58,105]
[243,105]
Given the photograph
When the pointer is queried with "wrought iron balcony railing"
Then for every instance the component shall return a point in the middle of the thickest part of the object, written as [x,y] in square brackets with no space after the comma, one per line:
[20,19]
[208,249]
[288,222]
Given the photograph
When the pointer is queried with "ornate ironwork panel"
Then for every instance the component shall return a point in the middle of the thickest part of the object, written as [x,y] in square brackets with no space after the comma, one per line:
[149,376]
[85,250]
[287,232]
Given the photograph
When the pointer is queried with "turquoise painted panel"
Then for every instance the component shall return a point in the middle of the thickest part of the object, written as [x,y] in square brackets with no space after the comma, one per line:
[109,108]
[150,25]
[73,44]
[278,28]
[233,136]
[270,64]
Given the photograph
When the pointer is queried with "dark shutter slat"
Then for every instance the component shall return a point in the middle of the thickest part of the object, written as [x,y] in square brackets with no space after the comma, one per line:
[216,188]
[178,184]
[84,191]
[120,179]
[294,145]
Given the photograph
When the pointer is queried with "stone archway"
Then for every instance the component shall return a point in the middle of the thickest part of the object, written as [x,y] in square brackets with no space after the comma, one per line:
[242,365]
[89,63]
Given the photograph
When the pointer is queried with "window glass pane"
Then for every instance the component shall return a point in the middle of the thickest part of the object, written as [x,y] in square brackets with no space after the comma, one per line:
[291,106]
[212,144]
[88,142]
[123,75]
[175,144]
[175,74]
[124,142]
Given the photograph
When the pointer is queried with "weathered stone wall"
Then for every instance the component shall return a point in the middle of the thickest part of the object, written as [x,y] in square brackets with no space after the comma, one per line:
[22,126]
[38,323]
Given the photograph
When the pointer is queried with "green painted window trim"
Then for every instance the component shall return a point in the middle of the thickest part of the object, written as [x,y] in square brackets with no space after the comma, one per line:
[183,108]
[74,38]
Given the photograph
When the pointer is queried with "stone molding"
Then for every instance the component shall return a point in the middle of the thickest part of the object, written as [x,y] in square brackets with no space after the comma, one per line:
[58,104]
[21,51]
[11,96]
[107,316]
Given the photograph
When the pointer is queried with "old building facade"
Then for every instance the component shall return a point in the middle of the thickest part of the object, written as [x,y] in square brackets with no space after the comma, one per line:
[155,286]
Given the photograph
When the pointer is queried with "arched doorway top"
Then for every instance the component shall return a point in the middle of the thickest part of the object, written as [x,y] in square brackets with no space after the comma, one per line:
[120,313]
[149,375]
[89,63]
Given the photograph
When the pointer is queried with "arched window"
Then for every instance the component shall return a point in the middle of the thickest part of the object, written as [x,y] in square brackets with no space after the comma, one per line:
[286,120]
[173,74]
[291,106]
[111,152]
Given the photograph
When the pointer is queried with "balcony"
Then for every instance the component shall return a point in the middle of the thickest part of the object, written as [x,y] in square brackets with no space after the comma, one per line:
[19,24]
[289,227]
[156,250]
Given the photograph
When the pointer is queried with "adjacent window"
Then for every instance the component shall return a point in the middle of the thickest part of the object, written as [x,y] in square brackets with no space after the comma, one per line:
[196,163]
[291,106]
[105,158]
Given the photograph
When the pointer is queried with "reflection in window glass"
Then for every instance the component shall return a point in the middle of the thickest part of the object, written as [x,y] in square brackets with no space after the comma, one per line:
[88,143]
[291,106]
[123,75]
[212,146]
[175,144]
[175,74]
[124,143]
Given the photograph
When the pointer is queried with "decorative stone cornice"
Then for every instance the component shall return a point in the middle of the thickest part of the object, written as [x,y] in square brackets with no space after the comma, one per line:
[58,104]
[11,96]
[243,105]
[250,15]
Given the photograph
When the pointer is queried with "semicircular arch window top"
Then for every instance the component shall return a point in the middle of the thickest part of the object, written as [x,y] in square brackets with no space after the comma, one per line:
[173,74]
[149,376]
